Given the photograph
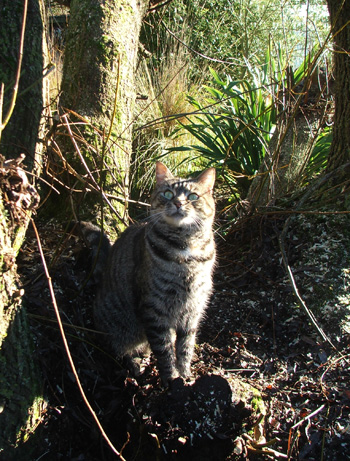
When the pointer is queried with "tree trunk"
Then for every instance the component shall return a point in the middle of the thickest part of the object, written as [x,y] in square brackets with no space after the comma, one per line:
[339,11]
[21,399]
[26,124]
[290,148]
[98,84]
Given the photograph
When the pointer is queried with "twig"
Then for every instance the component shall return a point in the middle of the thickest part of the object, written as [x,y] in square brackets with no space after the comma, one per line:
[66,346]
[311,415]
[65,324]
[267,451]
[157,6]
[115,104]
[333,362]
[291,441]
[2,91]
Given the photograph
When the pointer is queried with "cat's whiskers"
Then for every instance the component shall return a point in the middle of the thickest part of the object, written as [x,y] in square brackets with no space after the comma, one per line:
[155,218]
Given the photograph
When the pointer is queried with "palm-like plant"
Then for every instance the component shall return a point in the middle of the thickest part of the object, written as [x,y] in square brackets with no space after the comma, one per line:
[233,128]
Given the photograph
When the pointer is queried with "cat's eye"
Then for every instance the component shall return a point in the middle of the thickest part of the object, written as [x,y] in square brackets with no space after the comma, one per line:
[192,197]
[168,194]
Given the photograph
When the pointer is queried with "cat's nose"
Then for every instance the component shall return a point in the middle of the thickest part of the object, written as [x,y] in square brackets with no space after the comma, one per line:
[177,203]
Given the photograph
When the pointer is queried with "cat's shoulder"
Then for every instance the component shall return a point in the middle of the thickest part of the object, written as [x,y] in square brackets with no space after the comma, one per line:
[135,229]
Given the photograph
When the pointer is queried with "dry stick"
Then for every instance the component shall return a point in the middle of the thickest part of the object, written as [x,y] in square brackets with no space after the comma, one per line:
[83,180]
[300,299]
[281,240]
[158,5]
[19,65]
[160,119]
[291,443]
[65,342]
[342,357]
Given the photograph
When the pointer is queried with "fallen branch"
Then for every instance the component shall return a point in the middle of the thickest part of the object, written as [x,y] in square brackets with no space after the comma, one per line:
[291,440]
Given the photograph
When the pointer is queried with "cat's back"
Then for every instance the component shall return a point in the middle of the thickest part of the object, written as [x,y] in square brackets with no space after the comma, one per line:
[127,252]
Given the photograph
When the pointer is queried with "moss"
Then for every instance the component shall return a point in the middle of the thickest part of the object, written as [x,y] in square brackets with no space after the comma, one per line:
[34,417]
[19,383]
[257,403]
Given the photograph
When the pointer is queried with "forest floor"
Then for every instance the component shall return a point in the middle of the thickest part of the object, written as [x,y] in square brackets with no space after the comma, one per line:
[255,331]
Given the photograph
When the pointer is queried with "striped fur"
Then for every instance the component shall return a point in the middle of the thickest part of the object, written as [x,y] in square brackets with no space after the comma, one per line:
[158,277]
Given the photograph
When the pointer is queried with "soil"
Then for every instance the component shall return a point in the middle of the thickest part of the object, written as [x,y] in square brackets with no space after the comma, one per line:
[255,333]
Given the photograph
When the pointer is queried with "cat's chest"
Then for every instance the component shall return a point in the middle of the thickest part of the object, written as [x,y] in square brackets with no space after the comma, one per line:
[192,253]
[169,249]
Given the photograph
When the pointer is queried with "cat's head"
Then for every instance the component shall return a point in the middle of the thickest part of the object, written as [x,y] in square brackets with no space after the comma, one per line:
[183,202]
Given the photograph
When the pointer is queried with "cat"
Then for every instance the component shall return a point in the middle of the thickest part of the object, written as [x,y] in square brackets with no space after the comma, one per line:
[157,278]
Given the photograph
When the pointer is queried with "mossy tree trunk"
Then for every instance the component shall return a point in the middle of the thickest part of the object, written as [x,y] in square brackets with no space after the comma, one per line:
[98,84]
[339,11]
[21,398]
[290,148]
[26,124]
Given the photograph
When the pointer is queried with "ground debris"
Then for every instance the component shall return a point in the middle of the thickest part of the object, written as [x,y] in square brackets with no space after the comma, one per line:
[254,333]
[18,193]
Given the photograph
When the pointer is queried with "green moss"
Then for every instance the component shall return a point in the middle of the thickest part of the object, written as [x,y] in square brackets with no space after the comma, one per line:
[257,403]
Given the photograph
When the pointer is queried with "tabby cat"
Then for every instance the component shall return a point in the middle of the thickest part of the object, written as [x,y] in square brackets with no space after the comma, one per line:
[158,276]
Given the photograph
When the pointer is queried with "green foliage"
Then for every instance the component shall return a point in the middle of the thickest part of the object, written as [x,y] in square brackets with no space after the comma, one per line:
[232,32]
[234,128]
[319,155]
[233,122]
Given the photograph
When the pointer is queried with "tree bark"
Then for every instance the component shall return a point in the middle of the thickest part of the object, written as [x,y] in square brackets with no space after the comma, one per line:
[21,399]
[26,124]
[290,147]
[98,83]
[339,11]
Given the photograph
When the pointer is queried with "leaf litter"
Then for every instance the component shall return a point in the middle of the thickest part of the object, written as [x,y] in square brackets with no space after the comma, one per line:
[254,331]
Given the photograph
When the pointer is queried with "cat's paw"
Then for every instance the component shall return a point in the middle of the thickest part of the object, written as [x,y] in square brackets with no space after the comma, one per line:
[184,371]
[167,379]
[134,365]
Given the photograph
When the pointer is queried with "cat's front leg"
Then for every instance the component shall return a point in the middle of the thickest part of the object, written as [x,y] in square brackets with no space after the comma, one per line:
[160,340]
[185,342]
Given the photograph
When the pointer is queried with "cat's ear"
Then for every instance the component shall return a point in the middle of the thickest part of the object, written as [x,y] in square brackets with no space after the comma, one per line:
[207,179]
[162,173]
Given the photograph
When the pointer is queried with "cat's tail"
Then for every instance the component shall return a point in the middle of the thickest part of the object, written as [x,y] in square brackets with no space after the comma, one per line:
[98,246]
